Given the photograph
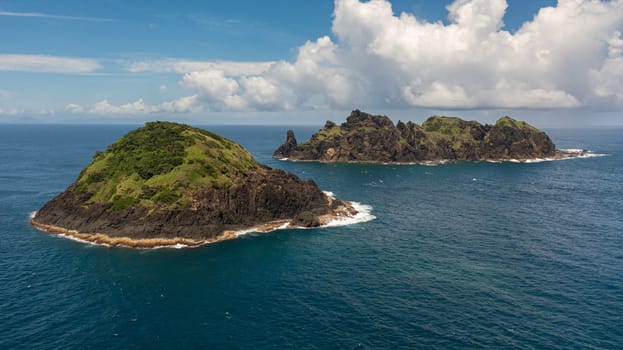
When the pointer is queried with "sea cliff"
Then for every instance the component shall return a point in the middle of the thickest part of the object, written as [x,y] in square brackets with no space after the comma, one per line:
[374,138]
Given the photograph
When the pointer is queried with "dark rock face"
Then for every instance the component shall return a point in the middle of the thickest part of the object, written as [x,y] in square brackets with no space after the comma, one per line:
[256,199]
[200,203]
[288,146]
[374,138]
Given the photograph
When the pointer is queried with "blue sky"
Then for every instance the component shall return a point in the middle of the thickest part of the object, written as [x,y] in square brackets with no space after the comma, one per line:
[549,62]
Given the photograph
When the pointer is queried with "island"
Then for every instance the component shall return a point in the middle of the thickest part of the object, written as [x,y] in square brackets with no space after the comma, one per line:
[169,184]
[375,138]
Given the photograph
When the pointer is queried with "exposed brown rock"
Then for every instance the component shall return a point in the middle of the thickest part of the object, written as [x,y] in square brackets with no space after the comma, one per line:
[374,138]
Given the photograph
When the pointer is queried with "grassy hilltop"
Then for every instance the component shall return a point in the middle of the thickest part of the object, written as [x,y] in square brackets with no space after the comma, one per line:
[172,181]
[161,163]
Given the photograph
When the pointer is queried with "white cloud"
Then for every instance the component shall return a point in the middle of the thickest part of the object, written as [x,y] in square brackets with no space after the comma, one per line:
[50,16]
[470,62]
[171,65]
[187,104]
[607,81]
[567,56]
[318,72]
[74,108]
[47,64]
[225,93]
[212,85]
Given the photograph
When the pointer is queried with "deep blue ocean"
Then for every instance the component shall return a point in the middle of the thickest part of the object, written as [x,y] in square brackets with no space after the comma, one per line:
[463,255]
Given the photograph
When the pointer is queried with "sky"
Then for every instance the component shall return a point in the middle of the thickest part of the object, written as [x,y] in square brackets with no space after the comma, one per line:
[552,63]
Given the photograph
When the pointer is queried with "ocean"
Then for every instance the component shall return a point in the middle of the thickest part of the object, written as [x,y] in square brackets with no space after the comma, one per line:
[461,255]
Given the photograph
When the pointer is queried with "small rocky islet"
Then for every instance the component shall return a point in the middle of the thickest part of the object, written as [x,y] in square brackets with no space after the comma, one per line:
[168,184]
[375,139]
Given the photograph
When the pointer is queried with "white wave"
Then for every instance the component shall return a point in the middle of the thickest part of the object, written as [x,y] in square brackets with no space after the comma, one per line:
[364,214]
[32,215]
[572,155]
[83,241]
[329,194]
[591,155]
[176,246]
[573,150]
[257,230]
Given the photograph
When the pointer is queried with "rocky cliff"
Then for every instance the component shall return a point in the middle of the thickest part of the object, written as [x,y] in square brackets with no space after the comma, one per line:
[375,138]
[173,183]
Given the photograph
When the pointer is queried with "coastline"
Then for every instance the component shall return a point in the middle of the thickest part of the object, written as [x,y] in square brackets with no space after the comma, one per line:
[347,211]
[563,154]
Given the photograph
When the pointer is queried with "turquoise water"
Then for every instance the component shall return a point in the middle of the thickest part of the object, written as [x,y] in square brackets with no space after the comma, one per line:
[465,255]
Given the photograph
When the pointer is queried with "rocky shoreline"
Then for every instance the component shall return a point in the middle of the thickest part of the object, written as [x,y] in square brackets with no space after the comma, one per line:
[344,210]
[559,155]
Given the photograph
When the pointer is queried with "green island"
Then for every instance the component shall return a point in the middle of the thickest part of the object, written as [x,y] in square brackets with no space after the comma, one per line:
[374,138]
[173,184]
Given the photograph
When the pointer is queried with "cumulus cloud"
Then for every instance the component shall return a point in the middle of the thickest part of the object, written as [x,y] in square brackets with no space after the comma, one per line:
[47,64]
[187,104]
[607,81]
[567,56]
[471,62]
[244,93]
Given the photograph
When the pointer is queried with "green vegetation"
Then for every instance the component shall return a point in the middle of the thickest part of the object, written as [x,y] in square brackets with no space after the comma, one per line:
[450,130]
[160,164]
[120,203]
[327,132]
[510,122]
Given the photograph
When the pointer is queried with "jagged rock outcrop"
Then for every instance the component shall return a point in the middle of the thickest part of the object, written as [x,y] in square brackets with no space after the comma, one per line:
[171,181]
[375,138]
[288,146]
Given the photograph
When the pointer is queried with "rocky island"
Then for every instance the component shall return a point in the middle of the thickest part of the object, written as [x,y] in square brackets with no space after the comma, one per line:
[375,138]
[169,184]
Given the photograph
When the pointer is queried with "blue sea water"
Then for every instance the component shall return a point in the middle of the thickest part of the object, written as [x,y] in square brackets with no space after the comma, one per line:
[463,255]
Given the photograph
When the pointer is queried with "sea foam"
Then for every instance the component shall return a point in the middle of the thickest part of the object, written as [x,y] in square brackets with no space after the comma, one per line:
[364,214]
[573,154]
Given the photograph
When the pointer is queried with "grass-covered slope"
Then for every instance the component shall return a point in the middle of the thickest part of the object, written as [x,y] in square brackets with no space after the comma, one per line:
[162,163]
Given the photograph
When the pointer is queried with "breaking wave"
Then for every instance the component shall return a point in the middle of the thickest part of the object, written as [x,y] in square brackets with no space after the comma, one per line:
[573,153]
[364,214]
